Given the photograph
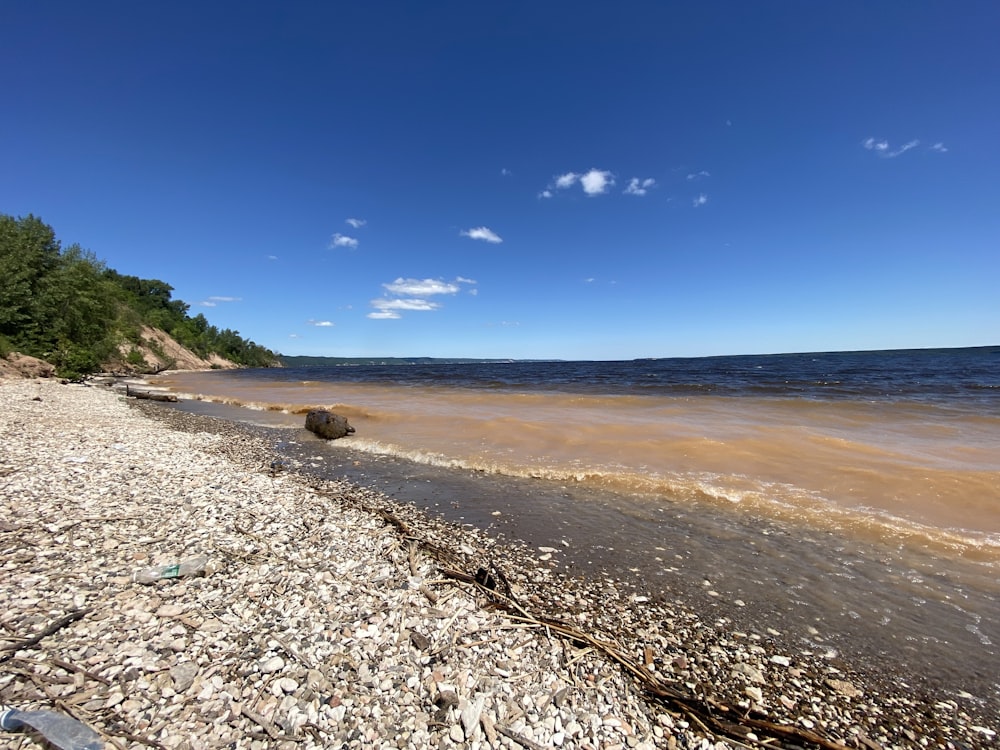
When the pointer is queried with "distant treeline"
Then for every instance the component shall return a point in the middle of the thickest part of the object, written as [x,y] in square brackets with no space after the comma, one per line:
[346,361]
[65,306]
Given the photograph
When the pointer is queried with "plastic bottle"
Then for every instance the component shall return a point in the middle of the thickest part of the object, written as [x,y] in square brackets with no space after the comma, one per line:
[61,731]
[193,566]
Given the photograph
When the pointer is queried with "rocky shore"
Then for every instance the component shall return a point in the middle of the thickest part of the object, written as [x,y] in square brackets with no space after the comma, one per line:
[326,615]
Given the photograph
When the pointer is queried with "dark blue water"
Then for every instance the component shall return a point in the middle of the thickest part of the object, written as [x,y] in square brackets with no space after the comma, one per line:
[971,376]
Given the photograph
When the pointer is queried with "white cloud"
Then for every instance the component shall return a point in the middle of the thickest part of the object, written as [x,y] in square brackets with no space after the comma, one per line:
[594,182]
[409,295]
[701,200]
[342,240]
[597,181]
[321,323]
[903,149]
[505,172]
[215,300]
[883,149]
[272,257]
[566,180]
[356,223]
[420,287]
[939,147]
[639,187]
[293,335]
[410,303]
[699,175]
[482,233]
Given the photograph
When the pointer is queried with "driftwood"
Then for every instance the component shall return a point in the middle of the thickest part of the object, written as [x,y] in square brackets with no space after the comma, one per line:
[150,395]
[743,727]
[34,640]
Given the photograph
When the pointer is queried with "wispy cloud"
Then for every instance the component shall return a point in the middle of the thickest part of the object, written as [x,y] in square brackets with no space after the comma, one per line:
[505,172]
[356,223]
[567,180]
[883,149]
[903,149]
[215,300]
[940,148]
[272,257]
[482,233]
[321,323]
[421,287]
[699,175]
[421,305]
[878,146]
[410,295]
[639,187]
[701,200]
[504,324]
[594,182]
[342,240]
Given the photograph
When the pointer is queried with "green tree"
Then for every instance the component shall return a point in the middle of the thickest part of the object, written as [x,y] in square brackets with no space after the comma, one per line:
[81,313]
[29,252]
[68,308]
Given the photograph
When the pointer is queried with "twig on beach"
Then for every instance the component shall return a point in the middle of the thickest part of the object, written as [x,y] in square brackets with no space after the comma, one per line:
[267,726]
[713,717]
[415,572]
[519,739]
[34,640]
[126,735]
[70,667]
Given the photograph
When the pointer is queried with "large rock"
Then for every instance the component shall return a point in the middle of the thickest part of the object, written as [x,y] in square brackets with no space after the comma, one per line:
[327,425]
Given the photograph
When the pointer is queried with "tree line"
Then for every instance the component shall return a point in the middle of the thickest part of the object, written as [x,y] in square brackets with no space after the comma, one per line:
[67,307]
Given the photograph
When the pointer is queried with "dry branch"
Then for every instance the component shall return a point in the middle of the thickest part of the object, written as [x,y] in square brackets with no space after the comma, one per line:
[716,718]
[34,640]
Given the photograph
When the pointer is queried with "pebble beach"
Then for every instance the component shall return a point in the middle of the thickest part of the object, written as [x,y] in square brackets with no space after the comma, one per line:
[326,615]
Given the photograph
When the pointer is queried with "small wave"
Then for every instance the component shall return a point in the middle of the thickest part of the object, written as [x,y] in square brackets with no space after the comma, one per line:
[778,501]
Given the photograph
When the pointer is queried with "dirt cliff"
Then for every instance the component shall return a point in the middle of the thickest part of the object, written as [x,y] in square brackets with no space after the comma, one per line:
[162,352]
[156,351]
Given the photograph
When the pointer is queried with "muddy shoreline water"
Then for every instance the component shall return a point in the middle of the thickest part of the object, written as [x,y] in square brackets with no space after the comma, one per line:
[750,571]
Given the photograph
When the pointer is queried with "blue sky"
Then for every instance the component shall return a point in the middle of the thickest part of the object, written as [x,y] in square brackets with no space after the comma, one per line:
[529,180]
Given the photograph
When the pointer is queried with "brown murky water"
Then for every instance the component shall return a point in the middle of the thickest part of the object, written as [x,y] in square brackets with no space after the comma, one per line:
[864,526]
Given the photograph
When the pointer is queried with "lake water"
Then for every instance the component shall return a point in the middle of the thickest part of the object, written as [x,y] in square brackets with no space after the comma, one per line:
[851,499]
